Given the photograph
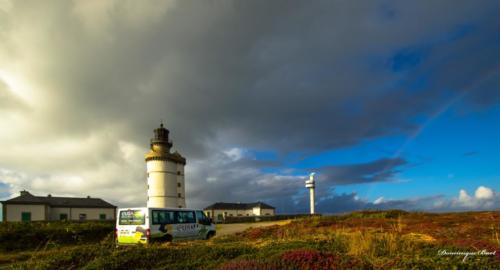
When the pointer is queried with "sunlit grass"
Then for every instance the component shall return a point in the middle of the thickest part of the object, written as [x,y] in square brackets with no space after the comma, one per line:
[361,240]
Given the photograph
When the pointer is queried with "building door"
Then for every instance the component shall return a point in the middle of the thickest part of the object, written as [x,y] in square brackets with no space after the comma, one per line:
[26,216]
[63,217]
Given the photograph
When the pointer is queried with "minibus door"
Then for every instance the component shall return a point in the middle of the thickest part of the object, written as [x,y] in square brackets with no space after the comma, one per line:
[186,226]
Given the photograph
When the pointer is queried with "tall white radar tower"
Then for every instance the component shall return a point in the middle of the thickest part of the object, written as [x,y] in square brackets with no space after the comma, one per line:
[310,185]
[165,172]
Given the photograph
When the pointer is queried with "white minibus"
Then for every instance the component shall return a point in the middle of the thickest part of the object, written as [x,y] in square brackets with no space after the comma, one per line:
[146,225]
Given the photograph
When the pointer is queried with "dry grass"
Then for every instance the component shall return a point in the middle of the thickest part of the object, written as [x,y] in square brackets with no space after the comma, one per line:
[361,240]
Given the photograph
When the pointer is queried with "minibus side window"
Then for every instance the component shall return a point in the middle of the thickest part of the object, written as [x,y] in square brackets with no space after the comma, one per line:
[185,217]
[163,217]
[200,216]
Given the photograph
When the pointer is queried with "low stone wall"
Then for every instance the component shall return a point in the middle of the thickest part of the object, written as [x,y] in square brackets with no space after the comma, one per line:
[228,220]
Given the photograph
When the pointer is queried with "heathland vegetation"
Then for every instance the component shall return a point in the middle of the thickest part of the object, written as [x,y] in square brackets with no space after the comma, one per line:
[360,240]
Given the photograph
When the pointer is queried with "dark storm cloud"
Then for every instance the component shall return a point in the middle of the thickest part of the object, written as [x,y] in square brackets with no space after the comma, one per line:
[213,70]
[240,180]
[281,76]
[375,171]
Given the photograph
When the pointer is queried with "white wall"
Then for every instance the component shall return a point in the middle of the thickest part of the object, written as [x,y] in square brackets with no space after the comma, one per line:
[227,212]
[257,211]
[38,212]
[162,183]
[14,211]
[180,180]
[92,213]
[54,213]
[267,212]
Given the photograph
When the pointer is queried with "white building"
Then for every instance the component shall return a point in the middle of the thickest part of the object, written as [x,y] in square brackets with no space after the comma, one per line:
[28,207]
[165,173]
[221,210]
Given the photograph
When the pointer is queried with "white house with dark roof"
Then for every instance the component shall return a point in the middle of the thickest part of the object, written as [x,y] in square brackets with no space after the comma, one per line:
[221,210]
[28,207]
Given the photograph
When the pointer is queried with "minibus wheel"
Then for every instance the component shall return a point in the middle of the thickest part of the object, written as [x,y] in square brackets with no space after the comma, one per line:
[210,235]
[167,238]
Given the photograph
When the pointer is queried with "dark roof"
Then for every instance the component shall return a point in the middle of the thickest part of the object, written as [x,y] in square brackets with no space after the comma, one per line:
[238,206]
[28,198]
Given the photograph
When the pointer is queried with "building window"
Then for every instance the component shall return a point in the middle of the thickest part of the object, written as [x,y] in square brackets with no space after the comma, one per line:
[179,195]
[178,172]
[102,216]
[82,217]
[26,216]
[180,206]
[63,216]
[178,184]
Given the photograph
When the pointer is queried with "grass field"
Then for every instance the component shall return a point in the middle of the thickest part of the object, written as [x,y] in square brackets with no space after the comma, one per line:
[227,229]
[360,240]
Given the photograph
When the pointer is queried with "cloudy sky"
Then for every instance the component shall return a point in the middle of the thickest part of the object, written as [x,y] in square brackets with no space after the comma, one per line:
[395,104]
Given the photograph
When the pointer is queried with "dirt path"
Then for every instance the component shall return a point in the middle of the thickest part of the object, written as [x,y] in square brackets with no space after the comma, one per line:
[225,229]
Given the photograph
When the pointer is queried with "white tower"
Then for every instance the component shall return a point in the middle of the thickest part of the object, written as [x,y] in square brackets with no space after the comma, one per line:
[165,172]
[310,186]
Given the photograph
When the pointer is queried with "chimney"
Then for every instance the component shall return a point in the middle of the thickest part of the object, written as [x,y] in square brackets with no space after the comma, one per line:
[88,196]
[49,195]
[24,192]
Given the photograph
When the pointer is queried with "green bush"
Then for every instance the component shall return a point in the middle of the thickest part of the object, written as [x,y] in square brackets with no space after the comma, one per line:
[40,235]
[192,256]
[395,213]
[67,258]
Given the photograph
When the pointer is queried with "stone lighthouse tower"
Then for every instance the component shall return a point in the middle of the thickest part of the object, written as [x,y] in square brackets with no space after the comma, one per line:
[165,172]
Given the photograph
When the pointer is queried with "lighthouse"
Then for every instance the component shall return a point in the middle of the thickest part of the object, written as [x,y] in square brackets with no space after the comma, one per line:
[310,185]
[165,172]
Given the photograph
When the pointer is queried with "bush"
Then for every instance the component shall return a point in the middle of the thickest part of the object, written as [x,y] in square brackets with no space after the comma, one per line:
[184,256]
[246,265]
[37,235]
[67,258]
[245,219]
[395,213]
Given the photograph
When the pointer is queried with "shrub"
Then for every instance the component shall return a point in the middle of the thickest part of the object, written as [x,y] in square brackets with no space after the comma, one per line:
[246,265]
[67,258]
[314,260]
[38,235]
[262,232]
